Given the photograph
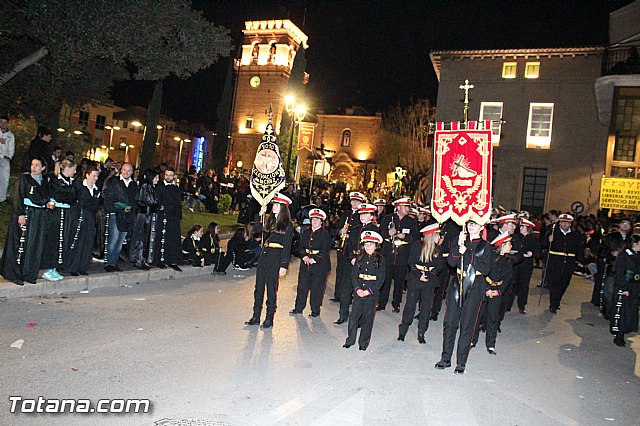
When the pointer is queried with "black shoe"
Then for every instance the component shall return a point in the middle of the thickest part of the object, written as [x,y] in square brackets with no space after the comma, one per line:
[295,312]
[221,273]
[401,338]
[83,273]
[396,308]
[30,282]
[363,349]
[314,314]
[380,308]
[459,369]
[268,323]
[442,364]
[421,339]
[253,321]
[619,341]
[74,274]
[346,346]
[434,317]
[162,266]
[117,268]
[109,268]
[335,299]
[492,351]
[142,267]
[553,310]
[499,330]
[340,321]
[176,268]
[522,311]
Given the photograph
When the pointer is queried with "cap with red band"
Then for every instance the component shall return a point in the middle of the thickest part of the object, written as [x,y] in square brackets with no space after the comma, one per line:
[501,239]
[507,218]
[402,202]
[526,222]
[371,237]
[430,229]
[282,199]
[366,208]
[317,213]
[380,202]
[357,196]
[565,218]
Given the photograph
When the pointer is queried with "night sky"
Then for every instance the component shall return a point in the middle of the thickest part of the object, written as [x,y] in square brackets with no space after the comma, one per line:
[375,54]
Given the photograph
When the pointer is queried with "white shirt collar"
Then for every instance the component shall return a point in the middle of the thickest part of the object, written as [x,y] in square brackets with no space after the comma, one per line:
[126,181]
[91,189]
[167,183]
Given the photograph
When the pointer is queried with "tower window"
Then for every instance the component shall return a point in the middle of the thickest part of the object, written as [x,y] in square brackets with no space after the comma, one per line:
[346,138]
[532,70]
[509,69]
[248,123]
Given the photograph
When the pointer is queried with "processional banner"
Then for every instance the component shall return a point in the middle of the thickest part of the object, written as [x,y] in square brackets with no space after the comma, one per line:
[462,173]
[305,136]
[267,174]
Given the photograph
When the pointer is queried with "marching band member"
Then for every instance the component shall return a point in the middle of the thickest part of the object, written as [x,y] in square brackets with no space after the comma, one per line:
[315,244]
[497,280]
[565,250]
[425,263]
[381,205]
[365,223]
[449,232]
[523,270]
[399,231]
[274,258]
[367,276]
[474,255]
[348,219]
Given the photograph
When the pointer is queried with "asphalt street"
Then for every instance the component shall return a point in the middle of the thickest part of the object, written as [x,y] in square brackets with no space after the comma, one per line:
[183,345]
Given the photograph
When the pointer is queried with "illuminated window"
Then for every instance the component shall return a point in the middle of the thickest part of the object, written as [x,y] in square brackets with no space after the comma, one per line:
[492,111]
[509,70]
[625,148]
[532,70]
[346,138]
[248,124]
[540,125]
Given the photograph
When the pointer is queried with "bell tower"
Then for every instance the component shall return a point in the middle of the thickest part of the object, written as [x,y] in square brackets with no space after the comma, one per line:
[268,50]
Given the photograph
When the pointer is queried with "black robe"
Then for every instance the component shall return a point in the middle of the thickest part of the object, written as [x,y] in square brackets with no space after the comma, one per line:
[625,310]
[82,227]
[63,191]
[169,217]
[24,244]
[143,236]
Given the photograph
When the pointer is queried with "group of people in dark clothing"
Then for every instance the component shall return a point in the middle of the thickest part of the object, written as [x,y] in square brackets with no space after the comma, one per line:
[481,271]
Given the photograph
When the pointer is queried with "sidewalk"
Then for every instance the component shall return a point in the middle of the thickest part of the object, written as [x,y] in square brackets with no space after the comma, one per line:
[97,278]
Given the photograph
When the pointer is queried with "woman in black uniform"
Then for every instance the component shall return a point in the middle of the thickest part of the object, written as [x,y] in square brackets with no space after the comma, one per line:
[367,277]
[191,247]
[24,246]
[497,280]
[626,292]
[315,244]
[274,258]
[63,193]
[83,224]
[425,263]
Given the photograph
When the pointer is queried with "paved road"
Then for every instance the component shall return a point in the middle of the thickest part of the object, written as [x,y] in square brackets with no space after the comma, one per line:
[183,345]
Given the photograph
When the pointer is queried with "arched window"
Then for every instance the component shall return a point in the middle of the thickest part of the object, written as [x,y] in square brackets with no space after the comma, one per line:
[346,138]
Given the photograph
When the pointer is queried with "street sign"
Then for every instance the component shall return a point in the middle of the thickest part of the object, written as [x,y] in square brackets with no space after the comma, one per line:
[620,193]
[577,207]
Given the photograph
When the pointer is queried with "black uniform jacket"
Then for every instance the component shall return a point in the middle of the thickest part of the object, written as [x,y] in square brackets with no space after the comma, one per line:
[316,244]
[368,274]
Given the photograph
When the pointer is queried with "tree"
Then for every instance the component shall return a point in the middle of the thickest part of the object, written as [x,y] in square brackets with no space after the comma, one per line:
[405,136]
[86,45]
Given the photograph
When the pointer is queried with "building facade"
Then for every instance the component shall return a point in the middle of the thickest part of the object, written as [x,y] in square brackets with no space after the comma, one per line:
[263,71]
[548,145]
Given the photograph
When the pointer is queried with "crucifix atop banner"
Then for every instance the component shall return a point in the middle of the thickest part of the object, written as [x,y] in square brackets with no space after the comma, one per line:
[466,87]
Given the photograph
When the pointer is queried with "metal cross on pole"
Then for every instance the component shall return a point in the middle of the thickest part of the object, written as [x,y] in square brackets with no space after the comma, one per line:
[466,88]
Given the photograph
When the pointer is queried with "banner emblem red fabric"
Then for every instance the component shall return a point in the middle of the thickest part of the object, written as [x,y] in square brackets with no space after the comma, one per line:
[305,136]
[462,173]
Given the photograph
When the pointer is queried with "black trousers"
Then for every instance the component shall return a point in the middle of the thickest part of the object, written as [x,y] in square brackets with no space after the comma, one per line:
[396,268]
[559,271]
[520,284]
[339,285]
[598,281]
[492,319]
[465,318]
[266,278]
[346,292]
[363,313]
[310,282]
[438,293]
[417,292]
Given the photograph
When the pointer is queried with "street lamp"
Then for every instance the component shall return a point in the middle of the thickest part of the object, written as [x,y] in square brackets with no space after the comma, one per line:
[178,138]
[111,128]
[296,113]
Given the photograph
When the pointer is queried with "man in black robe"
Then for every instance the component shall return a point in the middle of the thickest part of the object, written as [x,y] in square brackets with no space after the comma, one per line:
[170,215]
[120,205]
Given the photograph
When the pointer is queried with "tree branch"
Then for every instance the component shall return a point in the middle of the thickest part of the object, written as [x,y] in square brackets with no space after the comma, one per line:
[24,63]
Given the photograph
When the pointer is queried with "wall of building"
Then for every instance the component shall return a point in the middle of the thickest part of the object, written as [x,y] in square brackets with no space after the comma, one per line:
[575,160]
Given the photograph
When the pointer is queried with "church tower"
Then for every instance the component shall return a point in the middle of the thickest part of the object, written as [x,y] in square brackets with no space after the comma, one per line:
[263,72]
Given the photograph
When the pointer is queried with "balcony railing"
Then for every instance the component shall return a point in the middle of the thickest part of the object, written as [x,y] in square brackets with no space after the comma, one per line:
[620,61]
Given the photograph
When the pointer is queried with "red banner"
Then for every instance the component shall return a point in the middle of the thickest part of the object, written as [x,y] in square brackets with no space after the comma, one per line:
[462,173]
[305,136]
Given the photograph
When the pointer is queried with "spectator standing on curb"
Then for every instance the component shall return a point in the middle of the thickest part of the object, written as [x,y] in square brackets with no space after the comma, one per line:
[120,204]
[7,151]
[39,147]
[168,251]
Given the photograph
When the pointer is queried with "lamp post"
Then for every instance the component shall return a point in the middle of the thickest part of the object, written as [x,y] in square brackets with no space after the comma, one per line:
[177,138]
[111,129]
[296,113]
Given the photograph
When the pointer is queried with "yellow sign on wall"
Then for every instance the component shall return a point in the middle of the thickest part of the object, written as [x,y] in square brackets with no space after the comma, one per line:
[620,194]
